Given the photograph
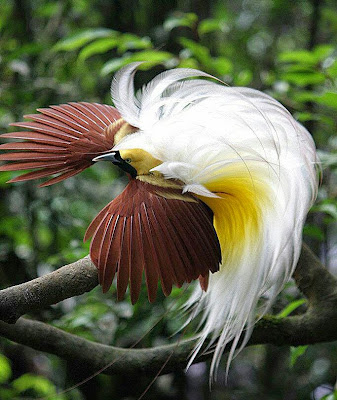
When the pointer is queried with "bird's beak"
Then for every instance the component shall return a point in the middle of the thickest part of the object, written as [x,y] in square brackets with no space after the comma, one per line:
[116,159]
[107,157]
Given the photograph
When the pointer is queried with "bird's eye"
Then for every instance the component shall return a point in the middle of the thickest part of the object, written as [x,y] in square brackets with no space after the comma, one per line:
[128,160]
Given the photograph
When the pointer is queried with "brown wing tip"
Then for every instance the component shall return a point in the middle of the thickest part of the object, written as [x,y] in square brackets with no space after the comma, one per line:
[105,289]
[203,280]
[86,236]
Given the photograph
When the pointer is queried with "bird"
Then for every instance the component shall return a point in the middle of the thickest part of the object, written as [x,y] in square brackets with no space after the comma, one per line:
[220,182]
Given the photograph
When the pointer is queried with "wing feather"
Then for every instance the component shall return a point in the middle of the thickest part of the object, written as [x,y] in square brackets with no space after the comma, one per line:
[22,156]
[62,140]
[39,174]
[123,262]
[62,114]
[56,123]
[197,228]
[154,235]
[35,137]
[166,272]
[151,265]
[46,148]
[89,113]
[48,130]
[168,235]
[30,165]
[136,259]
[107,273]
[151,275]
[187,235]
[179,237]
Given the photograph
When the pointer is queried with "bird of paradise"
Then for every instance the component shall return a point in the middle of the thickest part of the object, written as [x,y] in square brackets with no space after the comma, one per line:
[220,182]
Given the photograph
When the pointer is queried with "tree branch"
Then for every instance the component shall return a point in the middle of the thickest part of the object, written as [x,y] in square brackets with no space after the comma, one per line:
[71,280]
[43,337]
[317,324]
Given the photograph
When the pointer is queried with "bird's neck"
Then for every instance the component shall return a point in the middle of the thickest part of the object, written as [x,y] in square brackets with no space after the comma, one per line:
[168,188]
[160,181]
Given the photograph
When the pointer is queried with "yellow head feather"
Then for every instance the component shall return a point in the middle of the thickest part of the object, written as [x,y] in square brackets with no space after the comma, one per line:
[141,160]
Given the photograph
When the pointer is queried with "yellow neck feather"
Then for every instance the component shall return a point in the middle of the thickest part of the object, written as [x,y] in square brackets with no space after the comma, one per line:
[237,212]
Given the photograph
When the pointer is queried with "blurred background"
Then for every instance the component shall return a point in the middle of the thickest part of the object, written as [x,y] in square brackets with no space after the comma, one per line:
[54,52]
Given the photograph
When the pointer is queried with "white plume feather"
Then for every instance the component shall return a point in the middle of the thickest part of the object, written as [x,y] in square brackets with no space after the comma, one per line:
[205,132]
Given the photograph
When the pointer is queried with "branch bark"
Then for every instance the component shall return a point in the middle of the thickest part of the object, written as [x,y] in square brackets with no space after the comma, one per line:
[71,280]
[317,324]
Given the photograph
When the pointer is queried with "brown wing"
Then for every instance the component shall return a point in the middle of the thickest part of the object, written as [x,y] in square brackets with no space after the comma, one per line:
[171,240]
[61,140]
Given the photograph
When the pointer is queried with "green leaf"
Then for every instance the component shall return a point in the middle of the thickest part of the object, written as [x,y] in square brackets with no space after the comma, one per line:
[328,207]
[303,96]
[222,65]
[188,63]
[114,65]
[314,232]
[80,39]
[5,369]
[299,56]
[322,51]
[295,353]
[128,41]
[328,99]
[180,19]
[331,396]
[301,68]
[4,177]
[305,57]
[150,58]
[26,49]
[39,384]
[268,77]
[98,47]
[7,394]
[290,308]
[212,25]
[329,15]
[243,78]
[305,116]
[332,70]
[303,78]
[48,9]
[200,52]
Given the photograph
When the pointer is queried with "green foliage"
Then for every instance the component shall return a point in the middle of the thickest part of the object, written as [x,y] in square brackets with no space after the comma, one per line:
[35,386]
[290,308]
[295,353]
[150,58]
[178,20]
[332,396]
[5,369]
[78,40]
[30,385]
[328,207]
[210,25]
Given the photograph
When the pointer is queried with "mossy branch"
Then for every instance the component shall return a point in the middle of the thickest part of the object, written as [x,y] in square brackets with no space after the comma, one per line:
[317,324]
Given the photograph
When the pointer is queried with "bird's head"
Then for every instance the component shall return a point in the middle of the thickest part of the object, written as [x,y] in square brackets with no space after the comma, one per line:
[136,162]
